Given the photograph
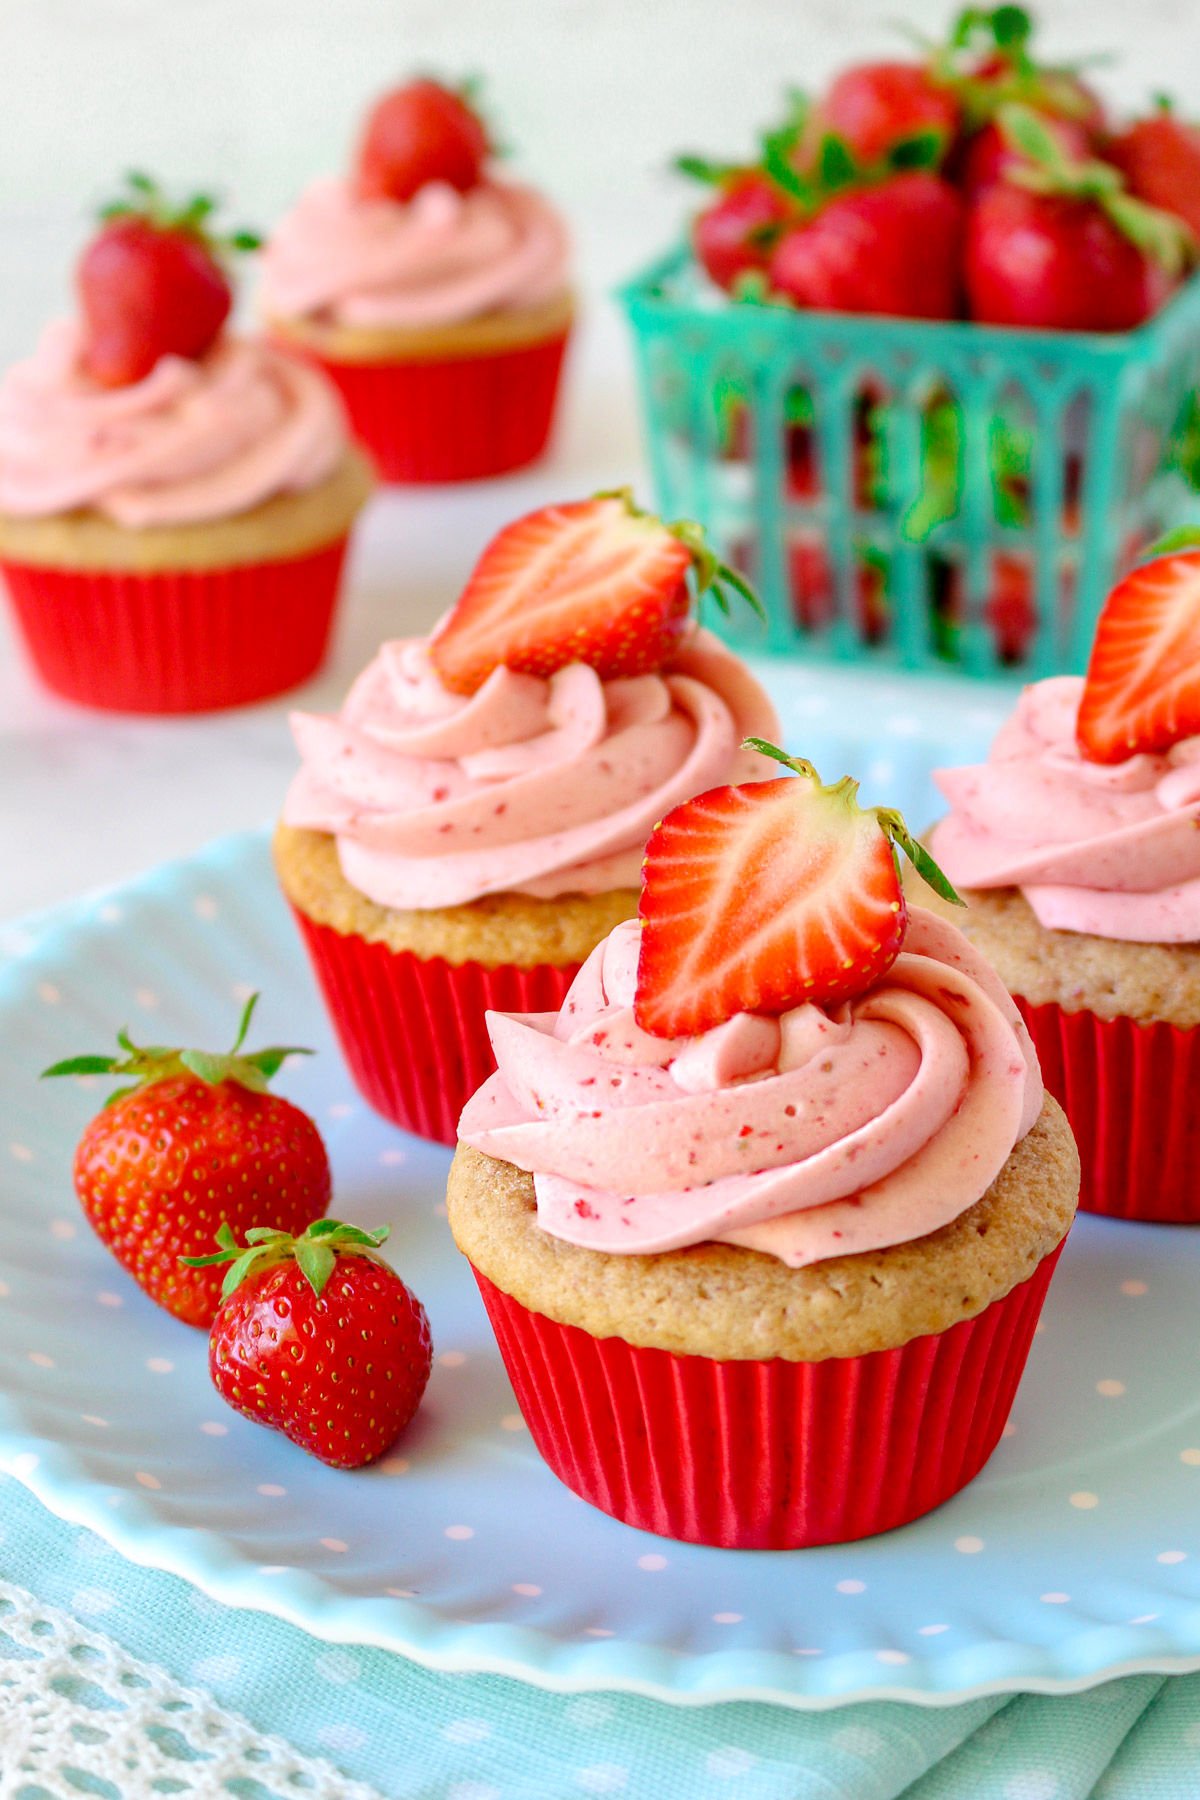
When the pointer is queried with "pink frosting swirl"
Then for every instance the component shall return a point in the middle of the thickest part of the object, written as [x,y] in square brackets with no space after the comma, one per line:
[1108,849]
[531,786]
[826,1132]
[192,441]
[438,259]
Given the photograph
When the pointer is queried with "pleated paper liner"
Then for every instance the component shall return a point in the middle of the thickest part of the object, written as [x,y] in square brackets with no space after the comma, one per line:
[177,641]
[457,419]
[412,1028]
[768,1455]
[1131,1094]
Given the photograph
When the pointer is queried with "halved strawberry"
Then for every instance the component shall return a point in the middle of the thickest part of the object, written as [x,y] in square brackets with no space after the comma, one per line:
[757,898]
[1143,682]
[594,581]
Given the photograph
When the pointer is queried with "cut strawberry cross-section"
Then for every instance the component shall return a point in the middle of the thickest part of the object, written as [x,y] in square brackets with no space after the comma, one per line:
[757,898]
[1143,682]
[594,581]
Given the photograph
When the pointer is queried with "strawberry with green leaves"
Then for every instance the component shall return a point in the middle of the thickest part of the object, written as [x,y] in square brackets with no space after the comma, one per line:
[888,111]
[317,1337]
[420,133]
[735,234]
[760,897]
[1062,245]
[152,282]
[1159,157]
[193,1142]
[595,581]
[1142,691]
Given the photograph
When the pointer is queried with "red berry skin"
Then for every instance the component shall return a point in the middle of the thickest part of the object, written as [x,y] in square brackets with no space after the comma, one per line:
[1055,263]
[733,235]
[342,1375]
[876,106]
[159,1171]
[146,293]
[892,249]
[416,134]
[988,156]
[1160,159]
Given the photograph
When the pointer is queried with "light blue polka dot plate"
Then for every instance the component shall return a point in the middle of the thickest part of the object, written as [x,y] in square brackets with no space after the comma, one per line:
[1074,1557]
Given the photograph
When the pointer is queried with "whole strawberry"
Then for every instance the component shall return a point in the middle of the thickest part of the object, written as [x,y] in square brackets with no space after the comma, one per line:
[1062,245]
[736,232]
[1160,158]
[151,284]
[893,248]
[416,134]
[880,109]
[197,1143]
[318,1338]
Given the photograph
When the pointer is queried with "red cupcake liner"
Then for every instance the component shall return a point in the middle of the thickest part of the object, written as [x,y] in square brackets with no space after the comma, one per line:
[458,419]
[1130,1095]
[412,1028]
[768,1455]
[177,641]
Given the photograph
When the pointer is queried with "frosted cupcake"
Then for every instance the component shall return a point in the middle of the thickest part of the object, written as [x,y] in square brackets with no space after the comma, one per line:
[471,824]
[435,294]
[763,1216]
[175,501]
[1078,848]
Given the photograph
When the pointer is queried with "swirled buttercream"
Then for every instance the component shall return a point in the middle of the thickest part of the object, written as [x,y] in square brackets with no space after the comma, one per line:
[438,259]
[1108,849]
[825,1132]
[541,787]
[191,441]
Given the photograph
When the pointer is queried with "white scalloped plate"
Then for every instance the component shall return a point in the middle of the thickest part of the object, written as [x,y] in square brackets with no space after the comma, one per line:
[1073,1558]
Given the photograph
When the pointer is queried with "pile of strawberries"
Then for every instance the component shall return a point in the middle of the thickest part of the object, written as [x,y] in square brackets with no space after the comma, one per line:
[971,182]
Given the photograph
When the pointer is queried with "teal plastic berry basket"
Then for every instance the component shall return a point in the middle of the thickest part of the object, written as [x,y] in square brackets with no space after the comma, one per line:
[928,495]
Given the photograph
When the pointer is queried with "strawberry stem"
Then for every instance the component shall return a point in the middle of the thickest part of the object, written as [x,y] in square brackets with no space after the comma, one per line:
[147,200]
[708,573]
[148,1063]
[315,1251]
[890,822]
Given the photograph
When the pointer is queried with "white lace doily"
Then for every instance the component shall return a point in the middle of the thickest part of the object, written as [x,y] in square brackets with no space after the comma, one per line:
[77,1712]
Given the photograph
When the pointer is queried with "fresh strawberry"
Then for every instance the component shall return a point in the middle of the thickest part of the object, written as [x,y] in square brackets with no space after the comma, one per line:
[318,1338]
[1062,246]
[1143,682]
[416,134]
[758,898]
[1160,159]
[989,157]
[894,248]
[151,284]
[196,1142]
[736,233]
[594,581]
[881,110]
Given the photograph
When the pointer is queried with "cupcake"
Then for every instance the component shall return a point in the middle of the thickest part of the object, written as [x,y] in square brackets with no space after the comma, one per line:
[763,1216]
[175,500]
[1076,844]
[471,825]
[434,294]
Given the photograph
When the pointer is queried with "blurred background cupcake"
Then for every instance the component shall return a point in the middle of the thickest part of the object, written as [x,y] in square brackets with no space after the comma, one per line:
[472,823]
[1077,844]
[434,293]
[175,500]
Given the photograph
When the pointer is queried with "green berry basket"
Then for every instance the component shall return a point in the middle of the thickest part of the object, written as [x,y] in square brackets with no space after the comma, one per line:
[921,495]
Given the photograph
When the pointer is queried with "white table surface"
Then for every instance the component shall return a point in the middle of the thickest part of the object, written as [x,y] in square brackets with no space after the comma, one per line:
[260,94]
